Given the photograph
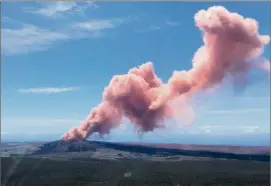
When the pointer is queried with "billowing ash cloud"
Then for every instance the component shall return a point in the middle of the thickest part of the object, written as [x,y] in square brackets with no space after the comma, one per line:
[232,45]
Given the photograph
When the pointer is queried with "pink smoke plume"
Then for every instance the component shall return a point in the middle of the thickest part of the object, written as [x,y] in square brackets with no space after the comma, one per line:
[232,45]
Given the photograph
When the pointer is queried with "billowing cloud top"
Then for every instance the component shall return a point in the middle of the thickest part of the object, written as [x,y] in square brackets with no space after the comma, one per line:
[232,45]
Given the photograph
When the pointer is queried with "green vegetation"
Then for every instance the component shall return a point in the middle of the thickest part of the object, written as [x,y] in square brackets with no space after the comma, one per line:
[24,171]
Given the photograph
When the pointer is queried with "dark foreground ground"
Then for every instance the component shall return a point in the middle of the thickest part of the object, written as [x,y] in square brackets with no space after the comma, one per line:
[31,171]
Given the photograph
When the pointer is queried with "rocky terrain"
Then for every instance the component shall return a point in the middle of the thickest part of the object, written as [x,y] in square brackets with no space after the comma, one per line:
[76,162]
[107,150]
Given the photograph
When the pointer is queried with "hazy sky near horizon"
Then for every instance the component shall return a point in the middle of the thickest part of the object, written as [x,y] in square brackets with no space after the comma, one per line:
[58,56]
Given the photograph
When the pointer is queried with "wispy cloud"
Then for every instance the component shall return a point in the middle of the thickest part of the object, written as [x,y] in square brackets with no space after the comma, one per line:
[20,37]
[24,38]
[148,29]
[172,23]
[95,28]
[56,9]
[251,129]
[28,38]
[238,111]
[233,129]
[156,27]
[100,24]
[94,25]
[248,98]
[48,90]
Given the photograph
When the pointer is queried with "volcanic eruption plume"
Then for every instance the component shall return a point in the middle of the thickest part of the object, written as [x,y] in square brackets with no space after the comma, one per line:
[232,45]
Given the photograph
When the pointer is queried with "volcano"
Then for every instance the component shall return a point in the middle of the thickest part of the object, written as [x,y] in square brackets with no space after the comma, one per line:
[153,150]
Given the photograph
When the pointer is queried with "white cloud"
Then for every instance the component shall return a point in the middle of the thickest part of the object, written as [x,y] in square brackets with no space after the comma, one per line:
[48,90]
[233,129]
[172,23]
[156,27]
[238,111]
[100,24]
[215,130]
[251,129]
[95,25]
[28,38]
[148,29]
[207,131]
[249,98]
[53,9]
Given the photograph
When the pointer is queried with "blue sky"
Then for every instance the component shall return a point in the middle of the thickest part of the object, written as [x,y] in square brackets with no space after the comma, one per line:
[57,58]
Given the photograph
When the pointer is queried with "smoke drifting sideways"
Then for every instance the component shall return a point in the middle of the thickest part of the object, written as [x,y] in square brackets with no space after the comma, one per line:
[232,45]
